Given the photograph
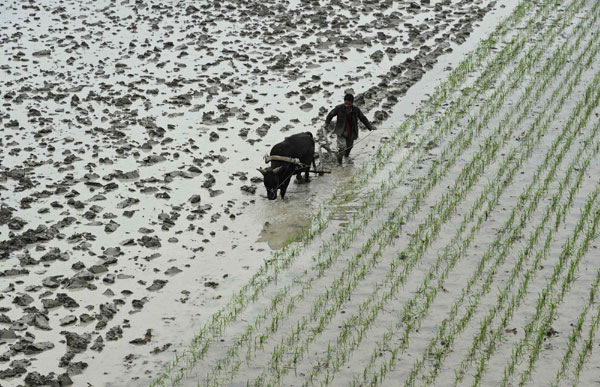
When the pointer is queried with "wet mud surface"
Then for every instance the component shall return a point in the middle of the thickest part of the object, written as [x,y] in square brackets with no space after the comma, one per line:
[130,134]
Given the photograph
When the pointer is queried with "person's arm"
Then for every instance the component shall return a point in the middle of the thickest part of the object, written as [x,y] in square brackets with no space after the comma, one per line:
[364,119]
[330,116]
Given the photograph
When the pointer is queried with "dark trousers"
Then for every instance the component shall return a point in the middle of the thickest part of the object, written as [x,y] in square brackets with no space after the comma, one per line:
[344,146]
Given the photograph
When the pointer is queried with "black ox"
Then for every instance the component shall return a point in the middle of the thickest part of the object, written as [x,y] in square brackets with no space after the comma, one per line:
[298,146]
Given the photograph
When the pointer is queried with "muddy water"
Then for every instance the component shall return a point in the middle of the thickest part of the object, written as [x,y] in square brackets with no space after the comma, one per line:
[123,112]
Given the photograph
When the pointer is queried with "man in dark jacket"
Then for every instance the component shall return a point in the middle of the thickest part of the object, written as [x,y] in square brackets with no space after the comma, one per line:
[346,126]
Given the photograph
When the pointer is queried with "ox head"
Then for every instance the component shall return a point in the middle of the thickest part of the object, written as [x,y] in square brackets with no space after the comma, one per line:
[271,180]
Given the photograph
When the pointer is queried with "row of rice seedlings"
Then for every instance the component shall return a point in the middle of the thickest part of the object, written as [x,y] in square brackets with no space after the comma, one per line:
[349,237]
[587,346]
[577,331]
[429,293]
[514,302]
[517,298]
[341,343]
[282,259]
[440,345]
[553,300]
[496,335]
[587,52]
[518,349]
[517,269]
[295,352]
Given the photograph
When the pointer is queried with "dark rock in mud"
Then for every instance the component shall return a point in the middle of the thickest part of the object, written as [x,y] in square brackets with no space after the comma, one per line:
[13,272]
[86,318]
[75,342]
[214,192]
[113,252]
[62,299]
[40,320]
[98,269]
[36,379]
[42,233]
[149,241]
[77,368]
[16,224]
[112,226]
[139,304]
[144,340]
[64,380]
[122,101]
[29,348]
[98,344]
[158,350]
[249,188]
[209,182]
[194,199]
[74,283]
[191,10]
[78,266]
[114,333]
[5,214]
[157,285]
[12,372]
[306,106]
[173,270]
[153,159]
[211,284]
[109,279]
[263,130]
[128,202]
[67,320]
[7,334]
[84,275]
[23,300]
[54,254]
[50,303]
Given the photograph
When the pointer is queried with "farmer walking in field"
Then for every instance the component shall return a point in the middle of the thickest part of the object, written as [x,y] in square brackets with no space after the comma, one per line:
[346,126]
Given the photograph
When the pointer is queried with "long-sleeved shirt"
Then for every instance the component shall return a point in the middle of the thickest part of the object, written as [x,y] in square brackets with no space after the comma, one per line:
[341,120]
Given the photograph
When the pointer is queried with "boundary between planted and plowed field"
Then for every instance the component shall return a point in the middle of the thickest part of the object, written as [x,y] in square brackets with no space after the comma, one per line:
[291,331]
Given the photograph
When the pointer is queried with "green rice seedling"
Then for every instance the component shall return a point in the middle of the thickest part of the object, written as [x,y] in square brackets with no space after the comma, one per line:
[587,346]
[591,232]
[528,328]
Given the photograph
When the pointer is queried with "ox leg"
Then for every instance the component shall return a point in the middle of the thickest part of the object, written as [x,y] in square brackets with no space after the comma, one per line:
[283,188]
[298,174]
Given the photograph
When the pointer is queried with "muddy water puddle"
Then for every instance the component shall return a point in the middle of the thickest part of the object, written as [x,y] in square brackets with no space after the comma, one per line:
[280,232]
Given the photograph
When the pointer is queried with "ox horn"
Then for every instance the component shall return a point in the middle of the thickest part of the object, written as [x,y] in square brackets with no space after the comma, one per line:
[262,171]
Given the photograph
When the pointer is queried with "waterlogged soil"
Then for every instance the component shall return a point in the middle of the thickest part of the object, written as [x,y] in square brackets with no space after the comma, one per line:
[131,208]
